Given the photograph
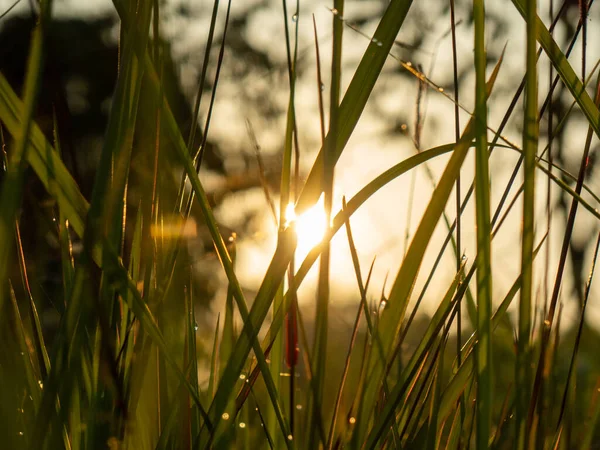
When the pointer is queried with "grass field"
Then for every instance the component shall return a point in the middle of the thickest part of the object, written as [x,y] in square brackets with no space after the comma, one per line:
[121,369]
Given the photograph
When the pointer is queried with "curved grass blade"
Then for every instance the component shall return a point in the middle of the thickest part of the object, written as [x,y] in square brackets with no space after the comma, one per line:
[356,96]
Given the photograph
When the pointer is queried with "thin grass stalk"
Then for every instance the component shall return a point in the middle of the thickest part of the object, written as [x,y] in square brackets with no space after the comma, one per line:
[461,418]
[329,160]
[277,351]
[530,142]
[43,361]
[482,212]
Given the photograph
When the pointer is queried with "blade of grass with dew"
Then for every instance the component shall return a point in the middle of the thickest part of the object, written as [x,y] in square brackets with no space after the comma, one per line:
[530,141]
[404,282]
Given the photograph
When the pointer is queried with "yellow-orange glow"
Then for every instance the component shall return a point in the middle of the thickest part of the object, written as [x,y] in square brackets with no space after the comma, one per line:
[310,226]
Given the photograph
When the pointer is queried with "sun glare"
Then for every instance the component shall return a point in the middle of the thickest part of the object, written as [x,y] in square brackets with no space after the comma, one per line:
[310,226]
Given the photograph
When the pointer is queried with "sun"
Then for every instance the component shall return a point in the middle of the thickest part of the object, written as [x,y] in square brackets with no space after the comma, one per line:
[310,226]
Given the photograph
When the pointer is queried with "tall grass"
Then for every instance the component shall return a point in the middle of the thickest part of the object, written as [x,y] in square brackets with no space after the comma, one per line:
[122,370]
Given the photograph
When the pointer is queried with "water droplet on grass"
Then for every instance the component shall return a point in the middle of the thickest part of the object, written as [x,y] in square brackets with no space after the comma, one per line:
[295,17]
[290,437]
[242,425]
[242,376]
[334,11]
[352,420]
[225,416]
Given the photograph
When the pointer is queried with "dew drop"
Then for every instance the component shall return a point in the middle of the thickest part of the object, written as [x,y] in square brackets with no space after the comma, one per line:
[441,89]
[547,322]
[464,257]
[225,416]
[196,326]
[242,425]
[299,407]
[409,64]
[20,433]
[379,43]
[322,87]
[290,437]
[352,420]
[295,17]
[40,383]
[334,11]
[383,304]
[242,376]
[375,41]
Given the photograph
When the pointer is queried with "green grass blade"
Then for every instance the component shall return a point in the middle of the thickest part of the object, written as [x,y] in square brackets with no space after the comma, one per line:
[357,94]
[482,212]
[530,141]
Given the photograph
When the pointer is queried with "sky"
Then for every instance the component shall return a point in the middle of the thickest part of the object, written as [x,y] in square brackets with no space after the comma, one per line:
[380,226]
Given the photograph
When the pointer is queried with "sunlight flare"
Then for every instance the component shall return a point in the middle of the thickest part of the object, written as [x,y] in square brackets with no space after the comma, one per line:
[310,226]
